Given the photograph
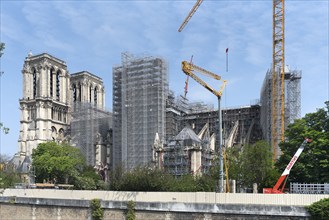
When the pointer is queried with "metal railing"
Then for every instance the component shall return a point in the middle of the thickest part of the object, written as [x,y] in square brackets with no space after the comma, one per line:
[303,188]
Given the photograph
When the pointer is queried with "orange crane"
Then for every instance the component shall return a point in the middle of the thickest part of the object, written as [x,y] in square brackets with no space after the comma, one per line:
[280,184]
[278,64]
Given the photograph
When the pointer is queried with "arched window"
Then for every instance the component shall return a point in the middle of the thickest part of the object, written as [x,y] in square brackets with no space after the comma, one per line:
[59,115]
[60,134]
[74,87]
[57,85]
[95,95]
[34,83]
[51,74]
[90,90]
[53,133]
[79,92]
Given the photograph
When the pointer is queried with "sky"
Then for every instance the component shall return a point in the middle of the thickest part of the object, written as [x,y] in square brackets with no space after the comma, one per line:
[92,35]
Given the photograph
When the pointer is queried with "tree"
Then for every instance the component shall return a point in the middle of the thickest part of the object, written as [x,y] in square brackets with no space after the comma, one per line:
[8,176]
[140,179]
[2,47]
[2,127]
[313,164]
[319,210]
[55,162]
[252,164]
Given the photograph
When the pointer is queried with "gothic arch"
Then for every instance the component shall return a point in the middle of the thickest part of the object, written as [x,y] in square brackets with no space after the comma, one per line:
[60,134]
[58,84]
[90,92]
[53,133]
[79,92]
[74,91]
[51,81]
[34,76]
[95,95]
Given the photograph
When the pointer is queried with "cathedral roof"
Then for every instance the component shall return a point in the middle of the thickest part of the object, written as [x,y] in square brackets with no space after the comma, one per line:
[188,134]
[25,166]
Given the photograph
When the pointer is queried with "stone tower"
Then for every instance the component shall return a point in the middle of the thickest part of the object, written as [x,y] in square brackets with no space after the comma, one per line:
[87,88]
[90,123]
[45,106]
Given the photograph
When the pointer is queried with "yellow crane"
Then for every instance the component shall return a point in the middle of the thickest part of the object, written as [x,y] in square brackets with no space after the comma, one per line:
[188,69]
[278,87]
[189,16]
[278,74]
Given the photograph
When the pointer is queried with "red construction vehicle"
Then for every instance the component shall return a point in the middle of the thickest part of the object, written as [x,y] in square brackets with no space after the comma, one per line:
[278,189]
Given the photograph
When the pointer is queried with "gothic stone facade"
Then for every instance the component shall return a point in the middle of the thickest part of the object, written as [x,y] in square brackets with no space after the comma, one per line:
[48,97]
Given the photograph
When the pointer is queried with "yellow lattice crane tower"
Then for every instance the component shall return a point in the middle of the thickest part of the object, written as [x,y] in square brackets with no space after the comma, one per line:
[278,75]
[278,72]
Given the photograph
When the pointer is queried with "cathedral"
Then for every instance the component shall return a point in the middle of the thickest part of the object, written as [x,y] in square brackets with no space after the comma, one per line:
[62,107]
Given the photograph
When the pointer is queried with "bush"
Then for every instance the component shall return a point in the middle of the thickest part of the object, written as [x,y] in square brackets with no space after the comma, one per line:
[96,209]
[131,210]
[319,210]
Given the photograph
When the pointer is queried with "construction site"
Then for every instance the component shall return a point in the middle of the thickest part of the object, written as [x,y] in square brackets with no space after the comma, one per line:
[151,126]
[140,89]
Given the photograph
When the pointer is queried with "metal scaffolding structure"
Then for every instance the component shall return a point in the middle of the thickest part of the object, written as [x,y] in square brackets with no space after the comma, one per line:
[140,89]
[90,127]
[188,153]
[292,104]
[241,125]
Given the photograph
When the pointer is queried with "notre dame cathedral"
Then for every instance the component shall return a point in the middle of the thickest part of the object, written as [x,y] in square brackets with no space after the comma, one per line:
[62,107]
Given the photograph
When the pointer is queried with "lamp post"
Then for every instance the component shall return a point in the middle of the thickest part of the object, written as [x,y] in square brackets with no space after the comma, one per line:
[220,139]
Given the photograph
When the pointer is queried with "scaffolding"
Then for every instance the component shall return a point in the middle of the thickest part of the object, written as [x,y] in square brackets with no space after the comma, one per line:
[292,104]
[140,90]
[187,153]
[88,124]
[247,118]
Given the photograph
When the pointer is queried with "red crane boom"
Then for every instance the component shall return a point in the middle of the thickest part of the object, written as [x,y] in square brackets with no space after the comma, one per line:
[280,184]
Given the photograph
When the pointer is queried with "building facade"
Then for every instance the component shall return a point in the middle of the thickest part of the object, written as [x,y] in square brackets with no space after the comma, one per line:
[57,106]
[45,106]
[140,88]
[292,107]
[90,127]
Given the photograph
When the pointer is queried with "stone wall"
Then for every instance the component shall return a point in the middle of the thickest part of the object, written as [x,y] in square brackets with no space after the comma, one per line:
[43,208]
[74,204]
[175,197]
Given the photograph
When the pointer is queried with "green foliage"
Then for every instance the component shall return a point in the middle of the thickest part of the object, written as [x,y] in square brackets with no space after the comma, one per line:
[88,179]
[185,183]
[313,163]
[8,176]
[131,211]
[140,179]
[205,183]
[96,210]
[8,179]
[319,210]
[2,127]
[146,179]
[252,164]
[2,47]
[53,161]
[64,164]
